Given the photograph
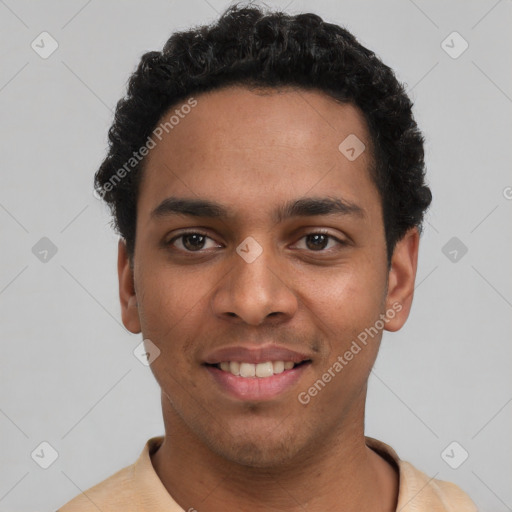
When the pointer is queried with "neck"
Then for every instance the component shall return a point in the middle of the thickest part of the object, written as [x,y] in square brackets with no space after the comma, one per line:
[340,473]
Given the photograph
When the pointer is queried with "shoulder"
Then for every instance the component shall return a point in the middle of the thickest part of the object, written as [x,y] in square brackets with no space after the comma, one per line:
[132,489]
[420,492]
[417,492]
[114,493]
[126,489]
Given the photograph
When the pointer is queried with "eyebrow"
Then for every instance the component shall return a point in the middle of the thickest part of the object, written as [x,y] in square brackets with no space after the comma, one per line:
[303,207]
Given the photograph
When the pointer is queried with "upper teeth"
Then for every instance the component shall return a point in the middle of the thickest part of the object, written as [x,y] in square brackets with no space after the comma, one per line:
[256,370]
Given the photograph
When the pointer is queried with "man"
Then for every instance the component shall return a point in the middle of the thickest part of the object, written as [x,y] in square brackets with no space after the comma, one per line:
[266,176]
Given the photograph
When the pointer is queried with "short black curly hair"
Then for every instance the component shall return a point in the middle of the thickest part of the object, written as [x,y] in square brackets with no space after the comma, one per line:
[253,47]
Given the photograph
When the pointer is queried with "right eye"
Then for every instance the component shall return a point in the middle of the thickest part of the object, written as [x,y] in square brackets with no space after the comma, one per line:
[190,241]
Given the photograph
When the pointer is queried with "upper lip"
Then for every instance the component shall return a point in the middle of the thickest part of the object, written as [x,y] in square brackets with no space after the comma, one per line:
[255,355]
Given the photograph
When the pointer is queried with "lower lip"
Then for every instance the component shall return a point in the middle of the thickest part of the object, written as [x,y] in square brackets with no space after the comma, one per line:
[256,388]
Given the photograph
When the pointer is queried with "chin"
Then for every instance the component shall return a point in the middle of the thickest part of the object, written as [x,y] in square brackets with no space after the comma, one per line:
[257,455]
[257,450]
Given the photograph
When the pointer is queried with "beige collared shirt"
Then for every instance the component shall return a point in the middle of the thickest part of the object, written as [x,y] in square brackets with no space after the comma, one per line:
[137,488]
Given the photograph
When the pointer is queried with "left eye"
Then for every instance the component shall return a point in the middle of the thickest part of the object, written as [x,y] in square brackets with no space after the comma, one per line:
[319,240]
[194,241]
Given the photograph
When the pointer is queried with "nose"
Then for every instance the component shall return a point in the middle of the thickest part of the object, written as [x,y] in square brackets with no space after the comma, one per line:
[255,289]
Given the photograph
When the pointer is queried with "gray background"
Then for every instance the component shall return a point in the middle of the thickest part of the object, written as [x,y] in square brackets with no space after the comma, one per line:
[68,373]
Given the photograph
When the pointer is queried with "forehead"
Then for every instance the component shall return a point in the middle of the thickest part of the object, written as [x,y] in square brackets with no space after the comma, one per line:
[248,148]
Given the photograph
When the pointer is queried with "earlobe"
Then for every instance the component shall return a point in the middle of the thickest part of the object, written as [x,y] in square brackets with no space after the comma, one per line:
[127,295]
[401,280]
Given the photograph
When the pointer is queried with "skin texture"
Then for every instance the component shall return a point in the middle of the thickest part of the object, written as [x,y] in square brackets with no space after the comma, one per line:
[252,151]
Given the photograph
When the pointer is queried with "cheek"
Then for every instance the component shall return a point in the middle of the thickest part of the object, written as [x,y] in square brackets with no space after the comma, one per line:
[350,295]
[172,312]
[352,306]
[171,319]
[347,305]
[168,296]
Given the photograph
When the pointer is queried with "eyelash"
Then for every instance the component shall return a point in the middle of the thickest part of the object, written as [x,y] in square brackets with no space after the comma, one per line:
[317,232]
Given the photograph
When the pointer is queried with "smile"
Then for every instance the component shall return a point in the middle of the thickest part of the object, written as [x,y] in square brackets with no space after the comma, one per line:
[259,370]
[256,382]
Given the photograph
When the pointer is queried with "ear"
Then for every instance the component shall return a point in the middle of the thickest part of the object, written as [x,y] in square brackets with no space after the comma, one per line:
[401,279]
[127,296]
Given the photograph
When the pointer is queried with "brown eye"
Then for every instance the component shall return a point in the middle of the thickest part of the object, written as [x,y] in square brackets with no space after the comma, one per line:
[319,241]
[192,241]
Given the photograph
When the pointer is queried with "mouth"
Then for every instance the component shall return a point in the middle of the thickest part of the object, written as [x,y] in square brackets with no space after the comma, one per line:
[256,382]
[259,370]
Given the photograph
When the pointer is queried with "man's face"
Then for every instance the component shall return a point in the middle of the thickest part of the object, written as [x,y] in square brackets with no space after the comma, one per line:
[239,287]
